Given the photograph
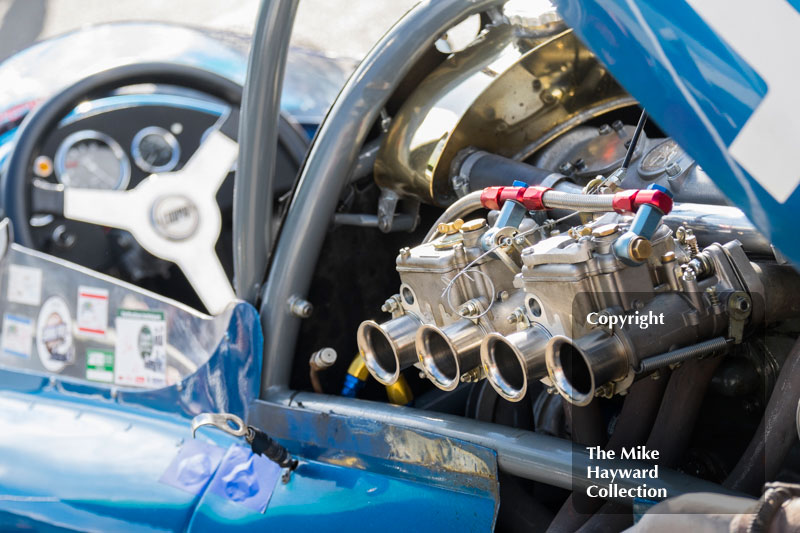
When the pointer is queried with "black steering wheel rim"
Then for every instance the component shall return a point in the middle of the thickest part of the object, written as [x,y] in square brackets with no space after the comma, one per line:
[44,117]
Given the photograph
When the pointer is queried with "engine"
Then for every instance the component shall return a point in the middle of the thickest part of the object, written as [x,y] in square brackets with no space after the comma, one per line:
[585,307]
[581,257]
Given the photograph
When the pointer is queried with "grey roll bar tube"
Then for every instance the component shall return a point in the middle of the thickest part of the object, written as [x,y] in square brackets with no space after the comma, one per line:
[258,141]
[328,166]
[522,453]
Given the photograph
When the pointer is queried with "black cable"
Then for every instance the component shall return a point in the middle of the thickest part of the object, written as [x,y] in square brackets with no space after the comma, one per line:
[635,139]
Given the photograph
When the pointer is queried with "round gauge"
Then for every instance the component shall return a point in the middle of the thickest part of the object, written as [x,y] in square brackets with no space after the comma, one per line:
[660,157]
[92,160]
[155,150]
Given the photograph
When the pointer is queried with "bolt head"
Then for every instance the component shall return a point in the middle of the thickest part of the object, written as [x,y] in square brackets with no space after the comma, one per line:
[673,170]
[552,96]
[741,303]
[640,249]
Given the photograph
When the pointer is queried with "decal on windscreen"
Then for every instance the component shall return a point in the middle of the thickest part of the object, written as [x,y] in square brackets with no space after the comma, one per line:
[141,348]
[100,365]
[92,311]
[24,285]
[17,337]
[54,335]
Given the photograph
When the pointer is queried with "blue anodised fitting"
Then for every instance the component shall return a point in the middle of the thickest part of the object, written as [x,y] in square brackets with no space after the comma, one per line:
[511,214]
[352,386]
[644,225]
[648,217]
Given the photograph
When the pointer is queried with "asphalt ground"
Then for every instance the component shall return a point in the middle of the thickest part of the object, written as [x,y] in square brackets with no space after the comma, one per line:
[340,27]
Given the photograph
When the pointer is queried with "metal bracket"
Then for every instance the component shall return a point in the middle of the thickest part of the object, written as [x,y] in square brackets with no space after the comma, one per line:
[230,424]
[388,218]
[739,308]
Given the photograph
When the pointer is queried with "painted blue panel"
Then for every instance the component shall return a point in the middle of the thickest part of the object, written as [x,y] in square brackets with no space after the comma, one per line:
[323,497]
[694,85]
[72,457]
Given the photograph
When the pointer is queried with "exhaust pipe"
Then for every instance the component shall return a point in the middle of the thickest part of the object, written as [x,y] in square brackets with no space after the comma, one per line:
[388,348]
[511,361]
[448,352]
[579,367]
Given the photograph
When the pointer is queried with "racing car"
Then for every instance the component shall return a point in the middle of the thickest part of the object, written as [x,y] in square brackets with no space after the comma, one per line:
[540,278]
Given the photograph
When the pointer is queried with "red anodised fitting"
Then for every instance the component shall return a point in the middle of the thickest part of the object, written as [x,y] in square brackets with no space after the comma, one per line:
[631,200]
[530,197]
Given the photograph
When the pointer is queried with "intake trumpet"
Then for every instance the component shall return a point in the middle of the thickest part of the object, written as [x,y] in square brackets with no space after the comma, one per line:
[512,361]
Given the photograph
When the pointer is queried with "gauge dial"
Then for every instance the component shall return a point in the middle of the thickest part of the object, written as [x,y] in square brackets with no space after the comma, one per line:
[155,150]
[660,157]
[92,160]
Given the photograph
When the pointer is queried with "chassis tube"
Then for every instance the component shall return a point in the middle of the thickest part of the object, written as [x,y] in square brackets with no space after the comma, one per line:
[329,164]
[258,141]
[522,453]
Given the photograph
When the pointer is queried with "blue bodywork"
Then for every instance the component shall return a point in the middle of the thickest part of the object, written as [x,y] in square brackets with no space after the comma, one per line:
[311,83]
[76,457]
[80,455]
[695,86]
[73,456]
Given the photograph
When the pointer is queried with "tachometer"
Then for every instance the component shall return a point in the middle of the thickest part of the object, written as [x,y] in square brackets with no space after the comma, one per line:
[90,159]
[155,150]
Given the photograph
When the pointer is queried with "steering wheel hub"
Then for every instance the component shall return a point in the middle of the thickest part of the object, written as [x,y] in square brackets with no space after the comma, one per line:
[175,217]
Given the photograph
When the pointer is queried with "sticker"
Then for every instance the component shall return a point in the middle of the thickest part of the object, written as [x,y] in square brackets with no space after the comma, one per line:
[92,311]
[24,285]
[246,478]
[141,348]
[17,335]
[193,466]
[100,365]
[54,335]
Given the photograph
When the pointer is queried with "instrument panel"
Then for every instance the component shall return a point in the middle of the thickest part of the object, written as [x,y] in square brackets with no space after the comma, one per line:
[114,143]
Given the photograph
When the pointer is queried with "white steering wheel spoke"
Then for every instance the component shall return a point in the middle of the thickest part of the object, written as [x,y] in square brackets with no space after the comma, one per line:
[174,216]
[212,162]
[113,209]
[206,274]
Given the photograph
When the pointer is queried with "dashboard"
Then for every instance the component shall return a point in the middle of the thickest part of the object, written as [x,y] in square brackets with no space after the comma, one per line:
[115,142]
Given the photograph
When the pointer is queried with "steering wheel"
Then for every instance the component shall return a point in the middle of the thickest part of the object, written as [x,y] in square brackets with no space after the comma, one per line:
[172,215]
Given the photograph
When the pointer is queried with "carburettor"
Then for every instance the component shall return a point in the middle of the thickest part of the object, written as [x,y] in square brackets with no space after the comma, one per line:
[585,310]
[454,292]
[569,276]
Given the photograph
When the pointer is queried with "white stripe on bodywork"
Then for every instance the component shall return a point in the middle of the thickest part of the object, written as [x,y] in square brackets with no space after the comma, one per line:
[766,34]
